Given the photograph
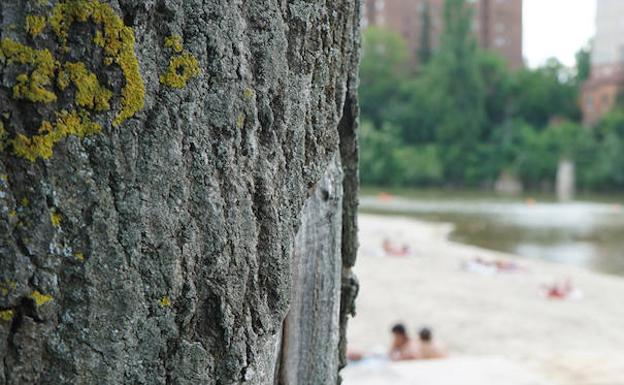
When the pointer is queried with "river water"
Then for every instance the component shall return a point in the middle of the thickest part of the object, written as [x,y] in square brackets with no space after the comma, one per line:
[586,234]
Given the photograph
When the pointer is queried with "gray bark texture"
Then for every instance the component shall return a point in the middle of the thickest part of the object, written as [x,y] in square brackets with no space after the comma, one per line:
[205,230]
[311,336]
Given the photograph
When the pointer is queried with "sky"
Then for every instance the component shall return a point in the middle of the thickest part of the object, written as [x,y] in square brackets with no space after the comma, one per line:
[557,28]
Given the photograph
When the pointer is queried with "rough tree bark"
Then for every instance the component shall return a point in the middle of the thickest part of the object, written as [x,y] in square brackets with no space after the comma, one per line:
[167,167]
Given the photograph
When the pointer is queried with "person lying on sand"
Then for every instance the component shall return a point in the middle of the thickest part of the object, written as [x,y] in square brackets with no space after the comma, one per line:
[428,349]
[355,355]
[563,290]
[393,250]
[485,267]
[402,347]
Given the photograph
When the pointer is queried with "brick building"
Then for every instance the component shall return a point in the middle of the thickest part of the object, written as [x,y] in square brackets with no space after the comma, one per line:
[497,23]
[607,62]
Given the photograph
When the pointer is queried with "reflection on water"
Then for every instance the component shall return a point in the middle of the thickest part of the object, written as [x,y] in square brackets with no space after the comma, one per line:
[581,233]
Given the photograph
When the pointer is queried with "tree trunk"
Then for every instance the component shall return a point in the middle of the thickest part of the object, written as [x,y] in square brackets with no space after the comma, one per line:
[311,336]
[160,161]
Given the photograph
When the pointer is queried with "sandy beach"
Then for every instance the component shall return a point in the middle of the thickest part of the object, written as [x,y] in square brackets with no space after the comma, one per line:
[482,318]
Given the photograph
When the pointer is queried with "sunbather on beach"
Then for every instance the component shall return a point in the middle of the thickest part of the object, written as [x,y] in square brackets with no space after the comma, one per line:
[402,346]
[393,250]
[563,290]
[485,267]
[428,349]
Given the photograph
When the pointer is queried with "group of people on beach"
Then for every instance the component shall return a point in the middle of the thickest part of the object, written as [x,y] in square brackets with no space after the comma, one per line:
[403,348]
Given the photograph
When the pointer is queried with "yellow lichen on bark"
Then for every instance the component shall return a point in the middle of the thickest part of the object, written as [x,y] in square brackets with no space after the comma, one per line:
[7,286]
[133,94]
[55,218]
[117,42]
[37,146]
[98,39]
[248,93]
[35,25]
[116,39]
[174,42]
[240,121]
[182,67]
[165,301]
[31,87]
[80,256]
[89,92]
[180,70]
[41,145]
[7,315]
[40,299]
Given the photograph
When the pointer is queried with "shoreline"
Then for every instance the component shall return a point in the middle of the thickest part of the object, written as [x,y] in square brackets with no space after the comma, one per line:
[585,234]
[607,197]
[499,315]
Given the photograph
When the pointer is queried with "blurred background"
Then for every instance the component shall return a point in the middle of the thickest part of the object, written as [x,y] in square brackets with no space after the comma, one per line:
[492,134]
[468,95]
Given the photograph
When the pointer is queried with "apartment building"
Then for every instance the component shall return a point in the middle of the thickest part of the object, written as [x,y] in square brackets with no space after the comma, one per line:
[497,23]
[606,80]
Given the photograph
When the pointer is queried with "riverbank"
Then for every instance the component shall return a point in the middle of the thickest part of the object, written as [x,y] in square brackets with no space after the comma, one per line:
[584,233]
[505,315]
[490,195]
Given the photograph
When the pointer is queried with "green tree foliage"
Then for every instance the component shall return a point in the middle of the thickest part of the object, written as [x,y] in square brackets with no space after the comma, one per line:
[544,93]
[385,162]
[384,66]
[377,165]
[453,79]
[606,161]
[583,64]
[414,113]
[456,91]
[497,83]
[425,48]
[538,152]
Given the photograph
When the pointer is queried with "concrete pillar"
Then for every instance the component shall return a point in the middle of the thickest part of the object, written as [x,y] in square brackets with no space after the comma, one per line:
[565,180]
